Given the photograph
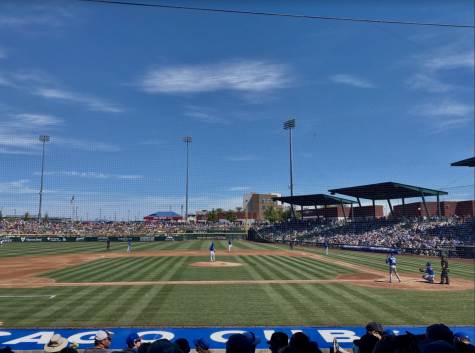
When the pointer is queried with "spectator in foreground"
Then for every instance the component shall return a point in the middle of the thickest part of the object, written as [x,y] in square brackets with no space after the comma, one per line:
[238,344]
[201,345]
[102,341]
[183,344]
[255,340]
[133,342]
[6,349]
[56,343]
[164,346]
[278,341]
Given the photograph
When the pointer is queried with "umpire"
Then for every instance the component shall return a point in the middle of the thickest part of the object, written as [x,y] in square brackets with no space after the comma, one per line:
[445,270]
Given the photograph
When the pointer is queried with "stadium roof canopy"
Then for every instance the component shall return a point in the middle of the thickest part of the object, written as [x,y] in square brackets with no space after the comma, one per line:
[469,162]
[390,191]
[316,200]
[163,215]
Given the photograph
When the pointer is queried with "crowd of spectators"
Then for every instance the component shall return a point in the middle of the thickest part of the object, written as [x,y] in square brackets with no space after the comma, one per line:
[118,229]
[438,338]
[419,236]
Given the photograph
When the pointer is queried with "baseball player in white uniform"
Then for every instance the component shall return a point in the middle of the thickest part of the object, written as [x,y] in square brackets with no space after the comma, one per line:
[230,245]
[128,247]
[1,243]
[392,268]
[211,252]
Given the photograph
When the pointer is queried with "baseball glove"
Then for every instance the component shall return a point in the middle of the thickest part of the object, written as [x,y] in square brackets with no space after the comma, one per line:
[421,270]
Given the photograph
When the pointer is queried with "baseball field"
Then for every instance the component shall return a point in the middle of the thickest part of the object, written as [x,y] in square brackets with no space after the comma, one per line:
[174,284]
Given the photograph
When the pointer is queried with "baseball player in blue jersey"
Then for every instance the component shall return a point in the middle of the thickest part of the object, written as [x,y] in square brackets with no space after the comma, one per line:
[230,245]
[392,268]
[211,252]
[430,273]
[326,248]
[128,248]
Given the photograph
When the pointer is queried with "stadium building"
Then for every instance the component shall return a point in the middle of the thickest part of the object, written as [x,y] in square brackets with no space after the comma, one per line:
[164,216]
[260,202]
[447,209]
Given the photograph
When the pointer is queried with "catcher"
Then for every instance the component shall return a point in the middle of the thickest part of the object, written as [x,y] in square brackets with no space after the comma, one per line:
[430,273]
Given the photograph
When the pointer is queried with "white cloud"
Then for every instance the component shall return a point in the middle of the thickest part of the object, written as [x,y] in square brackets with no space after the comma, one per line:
[205,115]
[448,62]
[129,176]
[246,75]
[86,174]
[239,159]
[239,188]
[446,107]
[4,81]
[20,187]
[33,121]
[352,81]
[425,82]
[91,102]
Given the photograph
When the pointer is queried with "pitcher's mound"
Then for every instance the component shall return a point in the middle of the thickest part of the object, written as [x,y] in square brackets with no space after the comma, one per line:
[216,264]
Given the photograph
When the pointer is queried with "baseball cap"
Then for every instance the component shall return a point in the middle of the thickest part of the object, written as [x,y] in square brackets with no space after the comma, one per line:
[202,342]
[56,343]
[163,346]
[440,332]
[460,334]
[279,338]
[255,340]
[6,349]
[428,263]
[238,344]
[102,334]
[132,338]
[183,344]
[374,326]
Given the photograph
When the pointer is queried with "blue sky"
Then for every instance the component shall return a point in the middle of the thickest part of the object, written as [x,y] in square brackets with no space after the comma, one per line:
[116,87]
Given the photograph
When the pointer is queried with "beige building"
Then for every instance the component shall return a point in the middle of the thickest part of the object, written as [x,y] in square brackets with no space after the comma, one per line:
[260,202]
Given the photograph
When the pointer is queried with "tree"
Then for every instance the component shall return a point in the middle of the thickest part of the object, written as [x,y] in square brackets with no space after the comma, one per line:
[239,209]
[286,214]
[218,210]
[46,218]
[1,215]
[212,216]
[26,217]
[271,214]
[231,216]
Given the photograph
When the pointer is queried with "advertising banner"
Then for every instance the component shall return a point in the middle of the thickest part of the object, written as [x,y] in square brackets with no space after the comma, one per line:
[35,339]
[371,249]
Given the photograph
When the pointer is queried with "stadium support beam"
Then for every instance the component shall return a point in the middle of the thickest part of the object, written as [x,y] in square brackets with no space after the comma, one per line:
[361,208]
[403,208]
[438,207]
[343,209]
[374,209]
[325,212]
[425,204]
[301,212]
[352,218]
[390,207]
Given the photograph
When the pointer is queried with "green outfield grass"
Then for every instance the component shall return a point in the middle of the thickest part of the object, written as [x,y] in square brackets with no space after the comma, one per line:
[233,305]
[283,304]
[63,248]
[136,269]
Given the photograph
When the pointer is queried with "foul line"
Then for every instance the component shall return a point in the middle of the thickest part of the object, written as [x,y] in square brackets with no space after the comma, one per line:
[26,296]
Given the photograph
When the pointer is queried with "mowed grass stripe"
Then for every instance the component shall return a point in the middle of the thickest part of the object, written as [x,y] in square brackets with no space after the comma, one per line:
[405,264]
[274,267]
[319,269]
[288,268]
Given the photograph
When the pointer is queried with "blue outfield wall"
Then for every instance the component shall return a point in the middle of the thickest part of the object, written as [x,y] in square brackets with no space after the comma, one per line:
[35,339]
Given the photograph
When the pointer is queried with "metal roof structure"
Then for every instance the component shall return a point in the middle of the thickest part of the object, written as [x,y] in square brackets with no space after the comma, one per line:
[316,200]
[164,215]
[469,162]
[390,191]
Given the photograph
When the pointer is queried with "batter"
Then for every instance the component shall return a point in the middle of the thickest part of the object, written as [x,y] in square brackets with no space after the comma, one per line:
[392,268]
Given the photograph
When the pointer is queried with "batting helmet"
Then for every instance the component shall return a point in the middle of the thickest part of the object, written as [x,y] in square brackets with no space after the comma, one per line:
[428,264]
[392,254]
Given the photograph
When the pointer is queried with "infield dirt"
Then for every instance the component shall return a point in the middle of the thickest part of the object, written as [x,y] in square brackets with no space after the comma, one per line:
[17,272]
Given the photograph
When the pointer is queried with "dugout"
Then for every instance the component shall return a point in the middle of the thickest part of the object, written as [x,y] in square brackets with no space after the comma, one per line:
[317,200]
[390,191]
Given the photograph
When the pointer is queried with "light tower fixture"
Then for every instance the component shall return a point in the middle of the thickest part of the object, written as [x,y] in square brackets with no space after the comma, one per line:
[44,139]
[188,140]
[289,125]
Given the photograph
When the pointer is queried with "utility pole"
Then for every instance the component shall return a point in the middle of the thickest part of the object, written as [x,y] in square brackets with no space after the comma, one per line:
[44,139]
[188,140]
[289,125]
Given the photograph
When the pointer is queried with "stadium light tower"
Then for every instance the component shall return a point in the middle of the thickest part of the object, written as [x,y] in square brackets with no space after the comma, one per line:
[188,140]
[289,125]
[44,139]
